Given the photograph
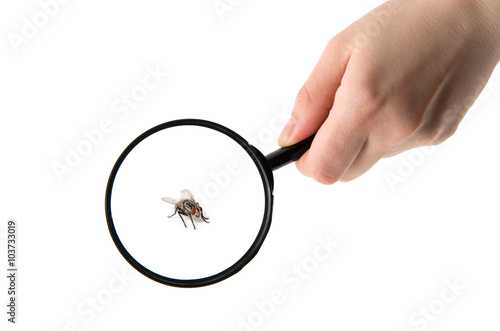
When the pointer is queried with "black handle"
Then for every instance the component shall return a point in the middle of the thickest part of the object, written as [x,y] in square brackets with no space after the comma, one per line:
[286,155]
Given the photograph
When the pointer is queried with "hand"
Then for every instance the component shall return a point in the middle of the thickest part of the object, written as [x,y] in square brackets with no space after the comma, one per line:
[403,76]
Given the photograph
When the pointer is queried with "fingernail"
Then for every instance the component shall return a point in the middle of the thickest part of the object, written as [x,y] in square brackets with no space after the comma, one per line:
[287,132]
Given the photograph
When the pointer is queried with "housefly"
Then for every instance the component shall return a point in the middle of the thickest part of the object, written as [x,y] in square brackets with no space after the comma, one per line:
[187,206]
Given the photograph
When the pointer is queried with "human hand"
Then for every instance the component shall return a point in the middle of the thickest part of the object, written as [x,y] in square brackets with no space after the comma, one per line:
[402,76]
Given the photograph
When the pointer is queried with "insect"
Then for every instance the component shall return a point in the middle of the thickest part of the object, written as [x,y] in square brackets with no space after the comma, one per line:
[187,206]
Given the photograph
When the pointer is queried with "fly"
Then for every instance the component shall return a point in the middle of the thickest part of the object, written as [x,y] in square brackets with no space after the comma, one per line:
[187,206]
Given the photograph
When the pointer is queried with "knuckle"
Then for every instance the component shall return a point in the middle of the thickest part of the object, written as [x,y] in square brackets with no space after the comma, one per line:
[303,99]
[381,111]
[405,126]
[325,173]
[334,43]
[367,99]
[443,135]
[347,178]
[427,135]
[437,133]
[339,45]
[369,95]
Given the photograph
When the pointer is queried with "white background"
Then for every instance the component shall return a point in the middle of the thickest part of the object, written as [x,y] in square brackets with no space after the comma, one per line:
[399,245]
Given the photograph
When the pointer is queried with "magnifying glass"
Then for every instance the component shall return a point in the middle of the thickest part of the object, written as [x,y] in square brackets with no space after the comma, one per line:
[189,202]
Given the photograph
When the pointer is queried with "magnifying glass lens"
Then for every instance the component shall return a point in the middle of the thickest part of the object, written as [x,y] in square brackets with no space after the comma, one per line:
[221,177]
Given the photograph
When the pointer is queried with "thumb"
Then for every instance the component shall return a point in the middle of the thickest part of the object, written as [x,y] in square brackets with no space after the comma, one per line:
[315,98]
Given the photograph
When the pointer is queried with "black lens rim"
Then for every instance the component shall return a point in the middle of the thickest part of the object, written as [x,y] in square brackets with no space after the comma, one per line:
[267,181]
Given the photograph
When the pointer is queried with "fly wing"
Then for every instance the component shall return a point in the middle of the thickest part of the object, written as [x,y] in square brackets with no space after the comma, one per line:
[187,195]
[170,200]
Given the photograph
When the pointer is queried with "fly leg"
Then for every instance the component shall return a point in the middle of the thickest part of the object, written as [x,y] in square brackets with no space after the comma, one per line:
[175,212]
[191,217]
[204,218]
[181,212]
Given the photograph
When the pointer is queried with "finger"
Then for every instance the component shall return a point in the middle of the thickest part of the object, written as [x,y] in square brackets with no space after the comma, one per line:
[336,145]
[370,154]
[444,113]
[410,143]
[315,98]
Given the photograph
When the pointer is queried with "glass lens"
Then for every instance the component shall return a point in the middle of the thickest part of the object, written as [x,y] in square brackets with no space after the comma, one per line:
[223,181]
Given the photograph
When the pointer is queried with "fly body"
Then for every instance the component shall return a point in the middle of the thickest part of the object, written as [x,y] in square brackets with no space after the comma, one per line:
[187,206]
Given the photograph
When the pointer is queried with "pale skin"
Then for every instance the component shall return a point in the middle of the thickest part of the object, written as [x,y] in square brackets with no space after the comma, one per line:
[402,76]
